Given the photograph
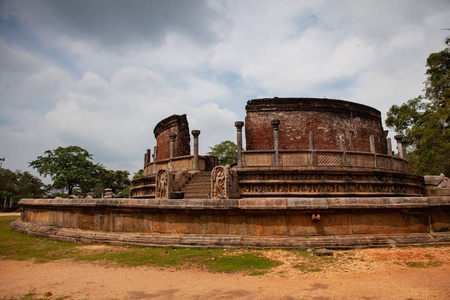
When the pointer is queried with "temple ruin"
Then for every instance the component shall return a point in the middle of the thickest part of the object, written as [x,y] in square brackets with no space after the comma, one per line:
[314,173]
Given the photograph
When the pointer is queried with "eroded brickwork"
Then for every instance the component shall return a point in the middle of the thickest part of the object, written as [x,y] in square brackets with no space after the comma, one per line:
[176,124]
[337,125]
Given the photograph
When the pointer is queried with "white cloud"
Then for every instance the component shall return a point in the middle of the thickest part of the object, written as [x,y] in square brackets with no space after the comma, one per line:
[68,77]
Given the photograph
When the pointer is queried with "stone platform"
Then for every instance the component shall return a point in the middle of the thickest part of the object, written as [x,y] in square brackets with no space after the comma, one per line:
[253,222]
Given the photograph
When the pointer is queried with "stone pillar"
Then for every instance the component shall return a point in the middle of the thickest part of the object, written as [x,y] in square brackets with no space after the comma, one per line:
[149,156]
[155,153]
[389,146]
[239,125]
[311,148]
[172,137]
[401,146]
[145,159]
[389,152]
[372,143]
[372,149]
[275,125]
[195,133]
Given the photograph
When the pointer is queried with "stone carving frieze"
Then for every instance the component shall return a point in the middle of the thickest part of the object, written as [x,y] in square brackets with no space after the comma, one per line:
[328,188]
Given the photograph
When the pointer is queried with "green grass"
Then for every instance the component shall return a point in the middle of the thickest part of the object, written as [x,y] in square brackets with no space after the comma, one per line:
[421,264]
[18,246]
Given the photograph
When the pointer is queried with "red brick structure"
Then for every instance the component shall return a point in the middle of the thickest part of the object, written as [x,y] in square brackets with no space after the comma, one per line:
[174,124]
[336,124]
[316,173]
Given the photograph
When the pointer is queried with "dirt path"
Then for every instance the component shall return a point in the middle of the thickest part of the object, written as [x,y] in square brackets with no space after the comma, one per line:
[371,274]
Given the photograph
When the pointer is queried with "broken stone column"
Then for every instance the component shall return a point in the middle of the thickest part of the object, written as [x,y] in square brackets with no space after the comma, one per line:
[389,152]
[149,156]
[195,133]
[389,146]
[239,125]
[401,146]
[275,125]
[155,153]
[172,137]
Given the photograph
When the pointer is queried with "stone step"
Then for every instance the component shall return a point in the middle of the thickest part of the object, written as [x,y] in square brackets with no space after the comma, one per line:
[199,187]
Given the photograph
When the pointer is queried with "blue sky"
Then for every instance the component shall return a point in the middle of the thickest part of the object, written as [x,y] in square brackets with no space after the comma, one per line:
[101,74]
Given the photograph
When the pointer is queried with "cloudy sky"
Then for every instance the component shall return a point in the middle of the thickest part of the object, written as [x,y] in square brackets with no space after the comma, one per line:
[101,74]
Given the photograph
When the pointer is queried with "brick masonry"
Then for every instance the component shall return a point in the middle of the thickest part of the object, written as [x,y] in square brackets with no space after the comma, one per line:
[336,124]
[177,124]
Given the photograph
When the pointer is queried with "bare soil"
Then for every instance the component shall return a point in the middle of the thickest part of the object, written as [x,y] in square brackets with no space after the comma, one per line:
[393,273]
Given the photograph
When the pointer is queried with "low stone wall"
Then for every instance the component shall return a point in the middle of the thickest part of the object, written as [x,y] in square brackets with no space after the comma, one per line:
[280,222]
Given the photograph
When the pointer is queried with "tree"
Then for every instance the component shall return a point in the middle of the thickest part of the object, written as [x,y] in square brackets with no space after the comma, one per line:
[17,185]
[116,180]
[424,121]
[225,151]
[138,174]
[69,167]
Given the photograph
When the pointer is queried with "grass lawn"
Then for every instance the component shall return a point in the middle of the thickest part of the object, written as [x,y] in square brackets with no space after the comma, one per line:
[18,246]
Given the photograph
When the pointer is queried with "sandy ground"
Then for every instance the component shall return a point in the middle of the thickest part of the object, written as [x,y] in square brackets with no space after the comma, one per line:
[370,274]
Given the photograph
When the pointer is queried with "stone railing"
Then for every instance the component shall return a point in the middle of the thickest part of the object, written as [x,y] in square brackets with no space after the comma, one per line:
[323,158]
[187,162]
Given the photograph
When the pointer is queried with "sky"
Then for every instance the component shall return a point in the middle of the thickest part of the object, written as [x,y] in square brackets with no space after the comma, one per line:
[101,74]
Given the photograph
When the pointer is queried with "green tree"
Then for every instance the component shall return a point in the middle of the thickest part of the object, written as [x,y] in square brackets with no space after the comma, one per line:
[115,180]
[424,121]
[17,185]
[69,167]
[139,174]
[225,151]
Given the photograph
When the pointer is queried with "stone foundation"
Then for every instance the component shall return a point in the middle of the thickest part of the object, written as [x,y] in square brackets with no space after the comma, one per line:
[262,222]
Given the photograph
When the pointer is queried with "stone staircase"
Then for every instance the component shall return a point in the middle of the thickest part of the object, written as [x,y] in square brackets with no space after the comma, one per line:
[199,187]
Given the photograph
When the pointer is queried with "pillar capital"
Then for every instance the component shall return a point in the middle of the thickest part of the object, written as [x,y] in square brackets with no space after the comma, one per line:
[195,133]
[239,125]
[401,145]
[398,138]
[275,124]
[172,136]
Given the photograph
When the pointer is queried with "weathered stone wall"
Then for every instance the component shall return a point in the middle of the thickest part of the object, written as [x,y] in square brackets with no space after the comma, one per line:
[176,124]
[337,124]
[310,222]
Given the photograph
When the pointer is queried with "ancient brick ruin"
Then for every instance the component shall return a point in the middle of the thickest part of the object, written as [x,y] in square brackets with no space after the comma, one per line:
[295,147]
[315,173]
[336,125]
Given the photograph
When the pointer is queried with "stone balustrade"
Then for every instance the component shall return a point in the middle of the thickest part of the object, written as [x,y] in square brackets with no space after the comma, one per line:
[323,158]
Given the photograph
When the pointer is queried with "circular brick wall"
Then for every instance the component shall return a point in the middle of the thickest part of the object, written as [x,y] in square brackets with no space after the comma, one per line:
[337,124]
[176,124]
